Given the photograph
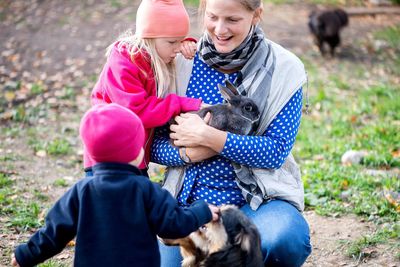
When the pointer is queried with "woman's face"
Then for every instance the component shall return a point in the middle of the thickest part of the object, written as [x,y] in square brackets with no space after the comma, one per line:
[228,23]
[167,48]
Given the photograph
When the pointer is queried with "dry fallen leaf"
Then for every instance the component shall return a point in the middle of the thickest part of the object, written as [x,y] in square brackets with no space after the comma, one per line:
[396,153]
[9,96]
[63,256]
[41,153]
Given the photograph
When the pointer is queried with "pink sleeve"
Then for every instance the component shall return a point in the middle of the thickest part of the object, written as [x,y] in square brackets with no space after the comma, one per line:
[123,82]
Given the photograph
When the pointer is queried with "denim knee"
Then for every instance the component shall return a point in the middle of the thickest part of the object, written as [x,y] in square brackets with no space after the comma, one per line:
[285,237]
[289,249]
[170,255]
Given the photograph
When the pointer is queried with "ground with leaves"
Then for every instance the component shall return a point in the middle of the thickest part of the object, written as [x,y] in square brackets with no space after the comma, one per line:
[52,52]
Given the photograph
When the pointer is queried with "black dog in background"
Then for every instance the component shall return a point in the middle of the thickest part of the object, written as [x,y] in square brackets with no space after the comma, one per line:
[325,25]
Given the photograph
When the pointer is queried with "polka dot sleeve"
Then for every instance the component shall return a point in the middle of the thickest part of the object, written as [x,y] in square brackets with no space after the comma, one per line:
[162,152]
[270,150]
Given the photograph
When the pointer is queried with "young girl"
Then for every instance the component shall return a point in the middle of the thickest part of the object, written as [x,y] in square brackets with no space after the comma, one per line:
[140,69]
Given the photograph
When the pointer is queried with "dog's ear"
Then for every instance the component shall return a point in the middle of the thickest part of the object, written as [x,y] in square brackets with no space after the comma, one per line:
[249,242]
[229,256]
[342,15]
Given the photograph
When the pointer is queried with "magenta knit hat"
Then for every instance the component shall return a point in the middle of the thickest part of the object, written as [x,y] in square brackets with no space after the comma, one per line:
[112,133]
[162,18]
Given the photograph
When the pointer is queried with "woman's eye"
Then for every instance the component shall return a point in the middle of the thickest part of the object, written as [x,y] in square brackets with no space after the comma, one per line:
[211,17]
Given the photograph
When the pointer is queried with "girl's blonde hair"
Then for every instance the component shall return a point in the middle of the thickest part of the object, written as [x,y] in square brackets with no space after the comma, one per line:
[164,73]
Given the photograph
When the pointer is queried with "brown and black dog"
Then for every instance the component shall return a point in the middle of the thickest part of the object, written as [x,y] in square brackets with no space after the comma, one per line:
[232,241]
[325,26]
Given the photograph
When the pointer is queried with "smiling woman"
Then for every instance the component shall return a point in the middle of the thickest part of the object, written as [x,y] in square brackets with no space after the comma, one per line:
[228,24]
[256,173]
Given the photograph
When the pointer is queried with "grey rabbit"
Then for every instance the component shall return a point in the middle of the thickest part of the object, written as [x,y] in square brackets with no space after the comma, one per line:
[240,115]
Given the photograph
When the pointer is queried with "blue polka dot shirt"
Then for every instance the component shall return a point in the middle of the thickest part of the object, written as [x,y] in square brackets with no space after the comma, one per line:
[213,180]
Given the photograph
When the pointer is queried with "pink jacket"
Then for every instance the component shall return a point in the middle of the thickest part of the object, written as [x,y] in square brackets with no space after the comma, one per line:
[132,85]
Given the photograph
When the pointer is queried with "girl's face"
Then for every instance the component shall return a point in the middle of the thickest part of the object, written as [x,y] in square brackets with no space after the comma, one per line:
[167,48]
[228,23]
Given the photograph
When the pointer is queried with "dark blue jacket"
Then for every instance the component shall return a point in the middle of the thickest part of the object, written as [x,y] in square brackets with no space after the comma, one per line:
[115,216]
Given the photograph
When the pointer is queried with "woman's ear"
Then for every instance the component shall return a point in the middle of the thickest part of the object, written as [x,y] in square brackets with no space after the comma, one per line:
[257,17]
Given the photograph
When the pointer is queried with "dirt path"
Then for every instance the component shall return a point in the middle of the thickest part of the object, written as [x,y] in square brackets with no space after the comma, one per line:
[62,43]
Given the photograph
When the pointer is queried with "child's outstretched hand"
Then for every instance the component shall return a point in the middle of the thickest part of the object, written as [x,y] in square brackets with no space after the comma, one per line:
[14,261]
[188,49]
[215,212]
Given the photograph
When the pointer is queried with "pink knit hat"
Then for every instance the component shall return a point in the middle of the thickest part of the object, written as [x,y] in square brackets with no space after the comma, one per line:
[112,133]
[162,18]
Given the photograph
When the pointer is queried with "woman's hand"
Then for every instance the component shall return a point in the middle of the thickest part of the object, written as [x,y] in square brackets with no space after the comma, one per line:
[192,131]
[189,130]
[188,49]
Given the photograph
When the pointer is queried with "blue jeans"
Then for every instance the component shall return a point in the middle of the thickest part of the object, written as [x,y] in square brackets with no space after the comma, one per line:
[285,236]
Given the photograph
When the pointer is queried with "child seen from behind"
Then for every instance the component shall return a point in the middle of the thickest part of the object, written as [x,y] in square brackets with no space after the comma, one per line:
[116,214]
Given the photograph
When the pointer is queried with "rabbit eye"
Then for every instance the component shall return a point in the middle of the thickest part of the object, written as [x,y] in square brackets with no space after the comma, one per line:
[248,108]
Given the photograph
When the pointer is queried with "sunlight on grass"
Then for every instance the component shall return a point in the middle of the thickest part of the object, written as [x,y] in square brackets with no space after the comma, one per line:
[352,111]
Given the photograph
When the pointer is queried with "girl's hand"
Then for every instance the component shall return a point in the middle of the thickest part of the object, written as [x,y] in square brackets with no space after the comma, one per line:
[215,212]
[188,49]
[14,261]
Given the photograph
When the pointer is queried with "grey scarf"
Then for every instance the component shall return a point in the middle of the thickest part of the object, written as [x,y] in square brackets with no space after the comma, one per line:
[254,80]
[234,59]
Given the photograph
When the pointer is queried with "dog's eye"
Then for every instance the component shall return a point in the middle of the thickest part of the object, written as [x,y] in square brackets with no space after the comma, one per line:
[203,228]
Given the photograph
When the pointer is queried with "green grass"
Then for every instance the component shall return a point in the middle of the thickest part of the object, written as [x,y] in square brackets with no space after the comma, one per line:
[55,147]
[356,249]
[391,35]
[53,263]
[60,182]
[353,108]
[17,212]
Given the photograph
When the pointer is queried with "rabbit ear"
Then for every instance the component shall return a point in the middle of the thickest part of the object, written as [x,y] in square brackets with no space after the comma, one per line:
[231,87]
[228,91]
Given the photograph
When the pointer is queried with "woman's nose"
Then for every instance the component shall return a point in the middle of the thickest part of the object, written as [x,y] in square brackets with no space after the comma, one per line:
[220,28]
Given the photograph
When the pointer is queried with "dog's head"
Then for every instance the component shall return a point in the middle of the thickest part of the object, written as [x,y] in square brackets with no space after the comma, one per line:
[325,23]
[231,241]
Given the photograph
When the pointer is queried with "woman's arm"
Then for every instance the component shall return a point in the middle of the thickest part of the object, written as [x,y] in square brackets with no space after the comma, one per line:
[267,151]
[271,149]
[162,151]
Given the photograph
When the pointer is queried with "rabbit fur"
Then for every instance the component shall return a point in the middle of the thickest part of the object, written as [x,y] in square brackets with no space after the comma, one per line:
[240,115]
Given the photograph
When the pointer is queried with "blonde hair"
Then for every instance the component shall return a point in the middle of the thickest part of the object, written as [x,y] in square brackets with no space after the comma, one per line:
[164,74]
[250,5]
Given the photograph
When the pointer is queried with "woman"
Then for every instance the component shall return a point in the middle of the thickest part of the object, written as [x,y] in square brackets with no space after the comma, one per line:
[257,173]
